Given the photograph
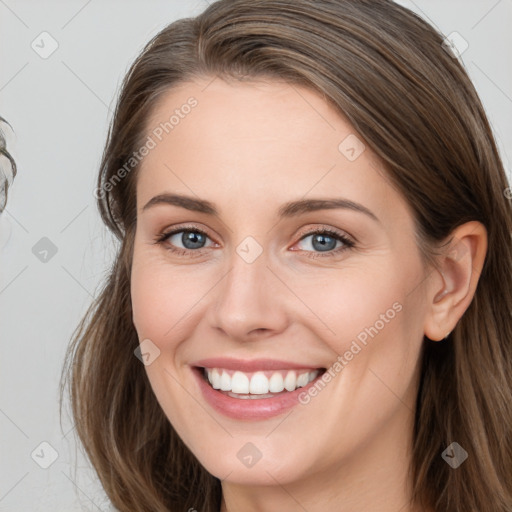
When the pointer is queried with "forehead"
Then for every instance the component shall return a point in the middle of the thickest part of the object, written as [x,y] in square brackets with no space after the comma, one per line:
[242,141]
[249,120]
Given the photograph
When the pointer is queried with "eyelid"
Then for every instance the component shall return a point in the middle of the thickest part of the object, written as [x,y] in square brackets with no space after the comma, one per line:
[163,235]
[325,228]
[347,240]
[184,227]
[347,243]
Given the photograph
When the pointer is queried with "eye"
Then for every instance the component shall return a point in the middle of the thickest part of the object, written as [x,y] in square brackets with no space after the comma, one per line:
[192,240]
[323,243]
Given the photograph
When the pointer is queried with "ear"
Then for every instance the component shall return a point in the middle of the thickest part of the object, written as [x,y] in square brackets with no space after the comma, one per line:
[451,289]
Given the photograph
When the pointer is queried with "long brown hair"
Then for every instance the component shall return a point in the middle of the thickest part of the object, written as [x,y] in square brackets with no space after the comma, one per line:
[410,99]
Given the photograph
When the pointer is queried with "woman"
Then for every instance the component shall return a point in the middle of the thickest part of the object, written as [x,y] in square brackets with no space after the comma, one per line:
[310,306]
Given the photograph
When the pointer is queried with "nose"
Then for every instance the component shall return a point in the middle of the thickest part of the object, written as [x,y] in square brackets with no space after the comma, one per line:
[250,302]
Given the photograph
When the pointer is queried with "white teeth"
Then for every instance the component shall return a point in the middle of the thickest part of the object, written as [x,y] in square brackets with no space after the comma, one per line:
[239,383]
[302,380]
[225,382]
[214,378]
[276,383]
[258,383]
[290,381]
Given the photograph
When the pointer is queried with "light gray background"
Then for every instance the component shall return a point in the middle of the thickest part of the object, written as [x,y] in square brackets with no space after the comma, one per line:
[60,108]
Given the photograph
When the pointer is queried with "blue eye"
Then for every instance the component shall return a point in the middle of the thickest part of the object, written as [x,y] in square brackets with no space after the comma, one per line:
[192,239]
[323,242]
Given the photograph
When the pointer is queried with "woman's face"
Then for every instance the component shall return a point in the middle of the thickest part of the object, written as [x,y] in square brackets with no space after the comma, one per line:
[252,287]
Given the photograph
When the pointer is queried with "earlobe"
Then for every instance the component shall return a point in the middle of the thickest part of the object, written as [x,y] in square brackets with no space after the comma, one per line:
[452,287]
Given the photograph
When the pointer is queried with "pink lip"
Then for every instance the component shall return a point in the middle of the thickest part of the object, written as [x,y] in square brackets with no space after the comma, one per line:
[248,409]
[250,366]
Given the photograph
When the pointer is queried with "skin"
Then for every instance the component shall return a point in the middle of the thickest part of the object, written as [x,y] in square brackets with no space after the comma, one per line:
[248,148]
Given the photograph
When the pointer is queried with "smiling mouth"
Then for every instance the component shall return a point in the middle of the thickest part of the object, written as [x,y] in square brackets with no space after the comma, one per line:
[259,384]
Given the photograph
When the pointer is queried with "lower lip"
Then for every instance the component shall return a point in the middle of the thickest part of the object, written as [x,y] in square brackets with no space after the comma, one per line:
[249,409]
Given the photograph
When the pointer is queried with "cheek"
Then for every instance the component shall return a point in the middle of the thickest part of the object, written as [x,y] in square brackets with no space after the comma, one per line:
[164,297]
[151,305]
[372,321]
[353,301]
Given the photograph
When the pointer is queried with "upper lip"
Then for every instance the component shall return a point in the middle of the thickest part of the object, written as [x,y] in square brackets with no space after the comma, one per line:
[251,365]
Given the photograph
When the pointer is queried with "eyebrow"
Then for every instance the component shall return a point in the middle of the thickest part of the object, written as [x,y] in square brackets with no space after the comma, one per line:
[287,210]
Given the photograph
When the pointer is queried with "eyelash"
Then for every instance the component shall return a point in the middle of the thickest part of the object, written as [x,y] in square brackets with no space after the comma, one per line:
[347,244]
